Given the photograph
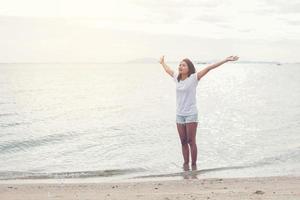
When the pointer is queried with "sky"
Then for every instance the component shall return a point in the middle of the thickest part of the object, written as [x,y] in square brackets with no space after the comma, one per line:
[118,31]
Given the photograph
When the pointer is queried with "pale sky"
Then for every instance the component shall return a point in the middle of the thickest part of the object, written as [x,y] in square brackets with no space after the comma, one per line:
[116,31]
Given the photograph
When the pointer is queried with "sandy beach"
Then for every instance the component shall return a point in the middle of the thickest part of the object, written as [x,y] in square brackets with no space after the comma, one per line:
[276,187]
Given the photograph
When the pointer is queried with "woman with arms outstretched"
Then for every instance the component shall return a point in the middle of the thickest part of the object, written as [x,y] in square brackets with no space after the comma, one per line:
[186,80]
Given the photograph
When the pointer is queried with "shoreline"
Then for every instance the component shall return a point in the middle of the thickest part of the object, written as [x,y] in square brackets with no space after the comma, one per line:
[271,187]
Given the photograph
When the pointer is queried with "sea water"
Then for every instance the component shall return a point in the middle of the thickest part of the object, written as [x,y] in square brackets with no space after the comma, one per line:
[113,121]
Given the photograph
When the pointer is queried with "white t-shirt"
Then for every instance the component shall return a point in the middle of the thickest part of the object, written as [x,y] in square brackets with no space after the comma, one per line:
[186,103]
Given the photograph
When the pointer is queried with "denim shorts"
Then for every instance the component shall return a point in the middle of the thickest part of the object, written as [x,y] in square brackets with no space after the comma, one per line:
[181,119]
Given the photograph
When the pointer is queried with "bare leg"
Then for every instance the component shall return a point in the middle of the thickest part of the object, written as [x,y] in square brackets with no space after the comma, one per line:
[184,144]
[191,129]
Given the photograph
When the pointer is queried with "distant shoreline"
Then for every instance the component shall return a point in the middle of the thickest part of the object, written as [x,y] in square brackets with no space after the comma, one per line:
[140,62]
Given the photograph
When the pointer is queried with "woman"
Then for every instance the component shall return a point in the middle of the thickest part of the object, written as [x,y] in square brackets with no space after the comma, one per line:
[186,80]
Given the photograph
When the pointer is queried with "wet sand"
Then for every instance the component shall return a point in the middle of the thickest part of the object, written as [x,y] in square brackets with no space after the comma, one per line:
[276,187]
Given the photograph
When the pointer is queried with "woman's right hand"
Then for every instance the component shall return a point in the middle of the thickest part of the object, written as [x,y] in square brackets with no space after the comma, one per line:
[162,60]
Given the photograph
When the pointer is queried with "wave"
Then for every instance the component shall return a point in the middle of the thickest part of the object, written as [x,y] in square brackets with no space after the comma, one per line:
[9,175]
[13,124]
[289,156]
[7,114]
[193,172]
[14,146]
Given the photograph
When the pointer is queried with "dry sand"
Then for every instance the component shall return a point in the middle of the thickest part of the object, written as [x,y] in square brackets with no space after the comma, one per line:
[276,187]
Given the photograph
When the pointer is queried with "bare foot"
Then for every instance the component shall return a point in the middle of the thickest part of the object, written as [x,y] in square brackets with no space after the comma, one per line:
[194,166]
[186,166]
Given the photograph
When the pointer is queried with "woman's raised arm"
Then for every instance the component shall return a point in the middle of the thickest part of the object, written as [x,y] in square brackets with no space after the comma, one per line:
[165,66]
[204,71]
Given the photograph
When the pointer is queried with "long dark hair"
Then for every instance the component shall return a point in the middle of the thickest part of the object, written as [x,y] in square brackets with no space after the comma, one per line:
[190,66]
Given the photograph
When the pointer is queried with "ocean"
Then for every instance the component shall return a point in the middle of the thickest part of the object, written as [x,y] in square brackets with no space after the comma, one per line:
[113,121]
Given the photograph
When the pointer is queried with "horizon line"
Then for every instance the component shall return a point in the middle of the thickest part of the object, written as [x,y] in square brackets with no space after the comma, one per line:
[138,61]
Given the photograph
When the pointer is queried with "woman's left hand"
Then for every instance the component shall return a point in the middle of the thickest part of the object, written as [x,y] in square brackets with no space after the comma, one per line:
[232,58]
